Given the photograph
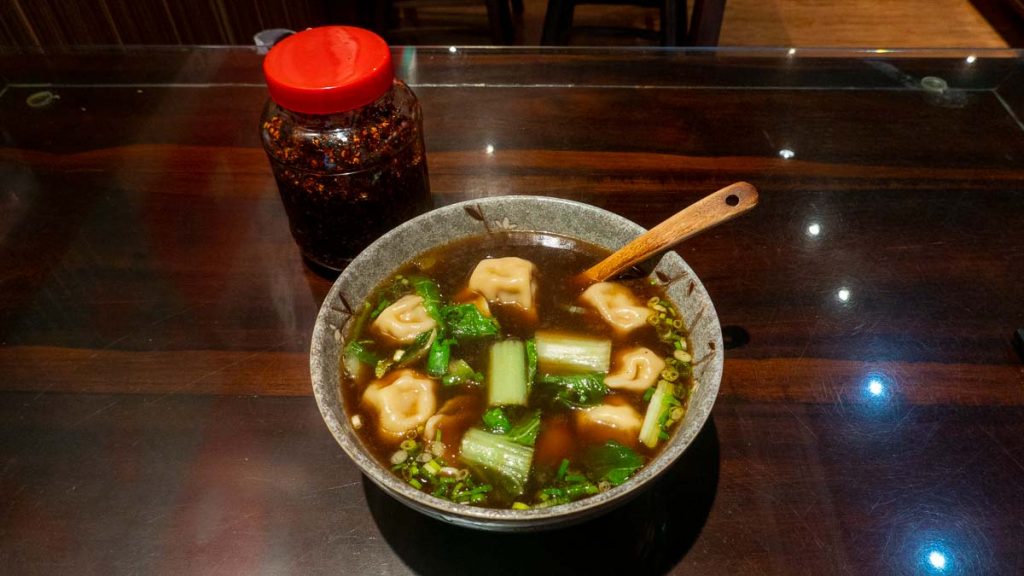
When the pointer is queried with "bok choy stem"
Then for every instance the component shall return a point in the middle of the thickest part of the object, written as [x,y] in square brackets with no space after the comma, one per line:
[499,459]
[566,353]
[506,375]
[661,402]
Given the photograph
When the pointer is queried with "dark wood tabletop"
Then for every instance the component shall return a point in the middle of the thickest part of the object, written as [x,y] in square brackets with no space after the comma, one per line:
[155,315]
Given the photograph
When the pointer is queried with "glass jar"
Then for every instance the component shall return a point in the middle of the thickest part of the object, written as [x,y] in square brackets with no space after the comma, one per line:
[345,141]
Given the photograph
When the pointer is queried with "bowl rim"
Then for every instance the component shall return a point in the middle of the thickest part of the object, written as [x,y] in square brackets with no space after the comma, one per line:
[495,518]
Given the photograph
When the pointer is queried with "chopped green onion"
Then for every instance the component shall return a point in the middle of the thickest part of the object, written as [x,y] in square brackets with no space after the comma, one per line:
[566,486]
[382,368]
[562,469]
[432,467]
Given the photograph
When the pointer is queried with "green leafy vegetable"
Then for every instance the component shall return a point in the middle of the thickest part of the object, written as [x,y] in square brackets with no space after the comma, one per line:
[496,421]
[359,349]
[466,321]
[526,429]
[417,349]
[531,360]
[431,294]
[399,287]
[361,319]
[381,306]
[460,372]
[611,462]
[438,356]
[355,352]
[573,391]
[503,462]
[406,356]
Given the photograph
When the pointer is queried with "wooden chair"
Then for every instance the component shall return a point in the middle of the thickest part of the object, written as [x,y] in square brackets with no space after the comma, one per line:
[704,30]
[499,18]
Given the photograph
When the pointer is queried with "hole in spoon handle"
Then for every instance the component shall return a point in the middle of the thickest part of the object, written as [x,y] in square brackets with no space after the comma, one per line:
[710,211]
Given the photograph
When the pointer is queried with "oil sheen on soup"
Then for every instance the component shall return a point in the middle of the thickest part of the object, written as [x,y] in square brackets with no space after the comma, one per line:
[481,373]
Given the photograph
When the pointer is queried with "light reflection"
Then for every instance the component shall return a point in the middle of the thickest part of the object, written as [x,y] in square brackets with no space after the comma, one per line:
[843,295]
[877,385]
[786,153]
[792,51]
[490,149]
[453,49]
[814,229]
[972,59]
[937,560]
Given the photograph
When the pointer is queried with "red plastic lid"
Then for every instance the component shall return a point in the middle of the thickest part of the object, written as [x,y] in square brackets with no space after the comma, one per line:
[328,70]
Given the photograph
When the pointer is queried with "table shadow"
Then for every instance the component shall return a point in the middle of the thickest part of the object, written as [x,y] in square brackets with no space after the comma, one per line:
[648,535]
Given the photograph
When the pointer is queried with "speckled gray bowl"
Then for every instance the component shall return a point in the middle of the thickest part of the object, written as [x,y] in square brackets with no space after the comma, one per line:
[484,216]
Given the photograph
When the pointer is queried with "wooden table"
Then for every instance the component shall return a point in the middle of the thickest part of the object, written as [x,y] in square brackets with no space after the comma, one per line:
[155,315]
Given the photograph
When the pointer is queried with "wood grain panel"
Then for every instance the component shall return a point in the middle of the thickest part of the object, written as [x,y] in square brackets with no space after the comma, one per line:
[761,490]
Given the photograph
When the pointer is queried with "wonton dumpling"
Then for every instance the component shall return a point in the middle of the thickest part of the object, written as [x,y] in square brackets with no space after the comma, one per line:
[402,401]
[467,296]
[455,416]
[617,305]
[404,320]
[619,422]
[636,370]
[506,280]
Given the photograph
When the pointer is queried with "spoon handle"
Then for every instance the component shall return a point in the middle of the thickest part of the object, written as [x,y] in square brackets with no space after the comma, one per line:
[710,211]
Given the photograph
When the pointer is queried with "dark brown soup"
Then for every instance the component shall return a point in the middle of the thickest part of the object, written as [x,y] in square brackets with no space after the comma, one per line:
[482,374]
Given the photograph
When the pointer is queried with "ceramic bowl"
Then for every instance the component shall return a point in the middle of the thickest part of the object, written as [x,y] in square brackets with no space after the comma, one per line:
[483,216]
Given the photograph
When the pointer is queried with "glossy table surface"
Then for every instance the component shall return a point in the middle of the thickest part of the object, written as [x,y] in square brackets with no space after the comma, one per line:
[155,406]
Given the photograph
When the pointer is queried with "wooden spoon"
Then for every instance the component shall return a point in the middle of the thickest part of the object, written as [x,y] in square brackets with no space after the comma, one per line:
[708,212]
